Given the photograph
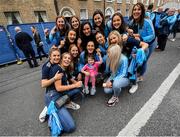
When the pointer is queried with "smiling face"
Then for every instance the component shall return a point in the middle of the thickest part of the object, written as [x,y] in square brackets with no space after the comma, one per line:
[137,12]
[74,51]
[71,36]
[91,60]
[54,57]
[98,20]
[65,60]
[75,23]
[113,39]
[90,47]
[87,30]
[60,23]
[100,38]
[116,22]
[171,12]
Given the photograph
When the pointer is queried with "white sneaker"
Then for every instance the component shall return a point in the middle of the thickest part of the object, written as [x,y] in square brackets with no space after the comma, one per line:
[172,40]
[112,101]
[86,90]
[72,105]
[93,91]
[133,88]
[42,116]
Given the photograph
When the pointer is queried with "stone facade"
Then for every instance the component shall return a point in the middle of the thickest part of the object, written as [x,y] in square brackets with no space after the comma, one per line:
[80,8]
[26,9]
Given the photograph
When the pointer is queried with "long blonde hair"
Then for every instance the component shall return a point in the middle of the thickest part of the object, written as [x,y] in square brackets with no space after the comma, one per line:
[114,54]
[115,32]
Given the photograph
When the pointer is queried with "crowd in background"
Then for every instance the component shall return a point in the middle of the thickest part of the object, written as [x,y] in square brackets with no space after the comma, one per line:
[113,53]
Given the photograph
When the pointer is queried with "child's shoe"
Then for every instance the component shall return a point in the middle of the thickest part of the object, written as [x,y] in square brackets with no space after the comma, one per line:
[86,90]
[93,91]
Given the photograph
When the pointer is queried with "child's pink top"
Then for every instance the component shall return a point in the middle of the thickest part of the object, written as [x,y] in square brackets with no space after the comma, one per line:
[92,69]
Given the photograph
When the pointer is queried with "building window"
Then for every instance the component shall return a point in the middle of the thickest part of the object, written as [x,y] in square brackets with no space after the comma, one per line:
[40,16]
[119,10]
[109,11]
[127,12]
[127,1]
[158,3]
[134,1]
[147,2]
[119,1]
[67,12]
[152,1]
[13,17]
[109,1]
[83,14]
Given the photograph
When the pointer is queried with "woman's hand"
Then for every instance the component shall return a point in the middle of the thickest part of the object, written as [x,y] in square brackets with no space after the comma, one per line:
[124,37]
[58,76]
[54,29]
[133,55]
[46,32]
[98,50]
[79,41]
[130,32]
[137,37]
[78,84]
[62,43]
[87,73]
[79,77]
[108,84]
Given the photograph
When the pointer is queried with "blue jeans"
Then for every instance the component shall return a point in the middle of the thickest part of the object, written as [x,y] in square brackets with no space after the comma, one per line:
[117,85]
[64,115]
[150,51]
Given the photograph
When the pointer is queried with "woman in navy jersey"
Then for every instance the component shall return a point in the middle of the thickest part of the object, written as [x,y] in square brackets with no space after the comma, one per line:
[51,94]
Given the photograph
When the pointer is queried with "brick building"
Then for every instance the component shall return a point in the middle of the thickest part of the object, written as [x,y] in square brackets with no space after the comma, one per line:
[28,11]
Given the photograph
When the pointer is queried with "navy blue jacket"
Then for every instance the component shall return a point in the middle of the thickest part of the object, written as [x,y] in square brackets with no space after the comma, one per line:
[23,40]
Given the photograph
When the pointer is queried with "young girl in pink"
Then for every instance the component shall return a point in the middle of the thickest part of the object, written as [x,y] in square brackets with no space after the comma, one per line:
[91,70]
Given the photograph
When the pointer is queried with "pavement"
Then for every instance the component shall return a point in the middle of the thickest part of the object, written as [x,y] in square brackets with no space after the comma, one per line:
[22,100]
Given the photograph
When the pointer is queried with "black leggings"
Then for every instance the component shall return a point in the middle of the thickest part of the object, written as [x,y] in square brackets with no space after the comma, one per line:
[162,39]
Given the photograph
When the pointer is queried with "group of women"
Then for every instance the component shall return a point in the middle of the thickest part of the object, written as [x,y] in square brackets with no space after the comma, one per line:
[121,50]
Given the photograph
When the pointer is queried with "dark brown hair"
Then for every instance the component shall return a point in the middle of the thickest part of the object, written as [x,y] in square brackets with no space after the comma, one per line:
[141,21]
[66,28]
[102,27]
[122,28]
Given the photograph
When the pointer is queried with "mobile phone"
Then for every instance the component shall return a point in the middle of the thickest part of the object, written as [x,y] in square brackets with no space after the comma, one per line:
[61,101]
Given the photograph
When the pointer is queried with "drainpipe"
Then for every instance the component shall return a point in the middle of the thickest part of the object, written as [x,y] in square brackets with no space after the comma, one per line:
[104,6]
[56,7]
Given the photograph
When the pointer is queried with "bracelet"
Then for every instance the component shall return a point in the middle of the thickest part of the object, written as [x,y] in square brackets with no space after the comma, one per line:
[53,79]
